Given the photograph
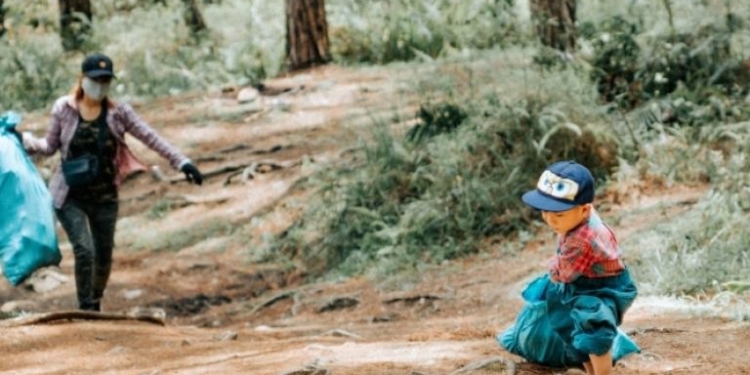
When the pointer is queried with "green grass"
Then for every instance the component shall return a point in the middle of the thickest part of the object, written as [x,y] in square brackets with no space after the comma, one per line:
[176,240]
[703,251]
[409,203]
[244,45]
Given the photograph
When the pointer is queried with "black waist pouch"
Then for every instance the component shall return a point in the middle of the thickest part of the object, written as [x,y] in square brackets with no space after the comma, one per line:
[80,171]
[83,170]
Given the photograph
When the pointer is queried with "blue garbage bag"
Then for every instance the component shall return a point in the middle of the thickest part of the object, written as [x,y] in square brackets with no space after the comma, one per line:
[532,337]
[28,240]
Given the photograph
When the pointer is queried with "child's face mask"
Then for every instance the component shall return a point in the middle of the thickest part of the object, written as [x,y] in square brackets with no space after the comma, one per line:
[94,90]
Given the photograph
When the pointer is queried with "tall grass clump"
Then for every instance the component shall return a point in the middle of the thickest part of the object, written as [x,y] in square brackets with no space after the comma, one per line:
[687,65]
[155,53]
[678,92]
[28,80]
[705,250]
[243,45]
[31,74]
[385,31]
[406,202]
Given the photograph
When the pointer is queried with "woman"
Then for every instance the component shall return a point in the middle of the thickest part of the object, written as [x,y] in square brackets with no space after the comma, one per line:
[89,130]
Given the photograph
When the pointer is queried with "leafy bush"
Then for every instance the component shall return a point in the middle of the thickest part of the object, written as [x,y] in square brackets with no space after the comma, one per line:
[706,250]
[615,60]
[244,43]
[632,67]
[178,238]
[406,204]
[386,31]
[701,60]
[27,76]
[243,46]
[436,119]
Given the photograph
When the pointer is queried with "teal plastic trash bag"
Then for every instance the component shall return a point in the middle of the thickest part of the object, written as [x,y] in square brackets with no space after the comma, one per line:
[28,240]
[532,337]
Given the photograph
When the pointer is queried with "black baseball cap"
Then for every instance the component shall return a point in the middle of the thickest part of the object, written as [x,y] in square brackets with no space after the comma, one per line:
[97,65]
[562,186]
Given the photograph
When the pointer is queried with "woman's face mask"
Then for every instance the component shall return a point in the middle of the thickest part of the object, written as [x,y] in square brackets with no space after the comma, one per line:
[93,89]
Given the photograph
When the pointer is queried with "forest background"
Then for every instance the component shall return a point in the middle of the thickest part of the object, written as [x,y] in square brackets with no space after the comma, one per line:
[648,94]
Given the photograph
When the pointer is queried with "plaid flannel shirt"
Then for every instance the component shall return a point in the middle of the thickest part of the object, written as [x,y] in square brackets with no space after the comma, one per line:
[590,250]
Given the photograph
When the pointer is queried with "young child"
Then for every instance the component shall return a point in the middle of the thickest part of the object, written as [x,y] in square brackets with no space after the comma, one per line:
[591,288]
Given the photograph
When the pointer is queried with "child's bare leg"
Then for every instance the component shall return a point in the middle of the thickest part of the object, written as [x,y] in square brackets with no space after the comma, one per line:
[601,364]
[589,368]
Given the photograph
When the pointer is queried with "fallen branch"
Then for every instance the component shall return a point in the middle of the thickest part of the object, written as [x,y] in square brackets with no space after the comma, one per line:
[495,364]
[271,150]
[220,155]
[309,370]
[411,298]
[234,148]
[179,201]
[273,300]
[228,180]
[664,330]
[80,315]
[256,115]
[212,173]
[338,303]
[247,174]
[338,332]
[262,166]
[209,158]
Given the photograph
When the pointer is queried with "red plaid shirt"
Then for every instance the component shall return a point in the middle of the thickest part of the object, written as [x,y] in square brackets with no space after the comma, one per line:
[589,250]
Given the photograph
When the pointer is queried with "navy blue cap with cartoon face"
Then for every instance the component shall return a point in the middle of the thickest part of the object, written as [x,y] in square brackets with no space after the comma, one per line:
[562,186]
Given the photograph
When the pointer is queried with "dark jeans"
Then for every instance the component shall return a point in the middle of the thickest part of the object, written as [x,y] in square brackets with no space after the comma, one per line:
[91,232]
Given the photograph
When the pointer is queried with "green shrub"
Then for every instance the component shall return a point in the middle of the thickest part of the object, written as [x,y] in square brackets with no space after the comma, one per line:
[30,75]
[386,31]
[705,249]
[436,119]
[630,68]
[615,61]
[179,238]
[244,43]
[407,204]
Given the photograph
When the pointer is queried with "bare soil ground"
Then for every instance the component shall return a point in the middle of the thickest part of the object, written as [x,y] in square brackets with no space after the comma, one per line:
[226,315]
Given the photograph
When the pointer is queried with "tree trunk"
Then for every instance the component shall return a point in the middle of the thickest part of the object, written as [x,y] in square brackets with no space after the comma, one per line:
[2,18]
[306,34]
[75,23]
[193,17]
[555,23]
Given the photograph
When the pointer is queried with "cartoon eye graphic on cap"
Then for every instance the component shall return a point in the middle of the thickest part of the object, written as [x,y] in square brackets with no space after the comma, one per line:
[562,188]
[558,187]
[102,64]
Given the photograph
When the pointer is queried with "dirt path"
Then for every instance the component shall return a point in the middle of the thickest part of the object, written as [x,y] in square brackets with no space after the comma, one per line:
[227,316]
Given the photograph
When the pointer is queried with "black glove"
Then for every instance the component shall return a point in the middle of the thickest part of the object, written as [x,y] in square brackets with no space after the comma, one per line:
[192,174]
